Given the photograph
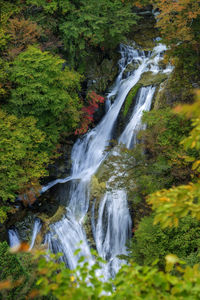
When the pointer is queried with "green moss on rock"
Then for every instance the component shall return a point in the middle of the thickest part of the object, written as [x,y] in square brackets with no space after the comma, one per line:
[97,188]
[130,98]
[47,221]
[149,78]
[160,99]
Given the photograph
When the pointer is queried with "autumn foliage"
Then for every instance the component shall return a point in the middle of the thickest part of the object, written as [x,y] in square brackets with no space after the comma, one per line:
[21,33]
[177,20]
[88,112]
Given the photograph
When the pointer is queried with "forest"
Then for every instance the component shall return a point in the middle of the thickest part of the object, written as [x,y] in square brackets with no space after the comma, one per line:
[99,149]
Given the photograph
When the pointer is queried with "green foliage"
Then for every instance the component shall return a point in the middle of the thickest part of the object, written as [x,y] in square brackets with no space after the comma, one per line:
[138,283]
[154,164]
[8,8]
[95,23]
[178,202]
[81,283]
[21,161]
[52,6]
[150,242]
[46,92]
[131,282]
[3,213]
[18,269]
[4,84]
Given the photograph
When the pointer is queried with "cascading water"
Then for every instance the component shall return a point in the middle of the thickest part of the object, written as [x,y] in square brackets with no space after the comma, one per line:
[143,103]
[87,155]
[36,229]
[13,237]
[111,239]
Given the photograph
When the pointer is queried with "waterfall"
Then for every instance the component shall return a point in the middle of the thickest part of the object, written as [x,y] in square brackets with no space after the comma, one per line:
[36,229]
[13,237]
[111,239]
[143,103]
[113,226]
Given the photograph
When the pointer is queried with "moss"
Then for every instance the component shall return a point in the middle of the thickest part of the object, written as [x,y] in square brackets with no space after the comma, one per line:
[131,67]
[130,98]
[47,221]
[159,98]
[97,188]
[55,218]
[149,78]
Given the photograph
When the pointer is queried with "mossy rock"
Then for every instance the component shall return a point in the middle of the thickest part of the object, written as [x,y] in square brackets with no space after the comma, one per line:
[150,78]
[130,67]
[100,77]
[130,97]
[25,227]
[47,221]
[159,98]
[97,189]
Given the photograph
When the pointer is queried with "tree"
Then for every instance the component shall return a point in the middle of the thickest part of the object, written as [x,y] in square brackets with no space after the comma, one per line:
[151,242]
[177,202]
[17,272]
[21,33]
[43,90]
[22,162]
[177,21]
[88,111]
[95,24]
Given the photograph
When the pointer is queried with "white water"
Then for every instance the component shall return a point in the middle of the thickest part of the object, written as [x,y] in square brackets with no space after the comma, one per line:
[13,238]
[113,210]
[143,103]
[36,229]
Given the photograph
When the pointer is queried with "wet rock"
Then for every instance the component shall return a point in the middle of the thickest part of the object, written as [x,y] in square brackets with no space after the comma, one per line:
[25,227]
[47,221]
[62,165]
[101,76]
[126,110]
[144,33]
[150,78]
[97,189]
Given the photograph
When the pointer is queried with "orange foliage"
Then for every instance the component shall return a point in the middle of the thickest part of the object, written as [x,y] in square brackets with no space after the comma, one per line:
[22,247]
[21,33]
[6,284]
[176,18]
[30,192]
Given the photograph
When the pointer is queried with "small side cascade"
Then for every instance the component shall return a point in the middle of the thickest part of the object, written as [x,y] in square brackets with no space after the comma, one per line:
[36,229]
[143,103]
[13,238]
